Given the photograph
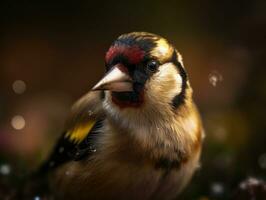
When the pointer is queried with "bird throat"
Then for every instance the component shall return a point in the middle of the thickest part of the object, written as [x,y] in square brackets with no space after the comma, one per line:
[128,99]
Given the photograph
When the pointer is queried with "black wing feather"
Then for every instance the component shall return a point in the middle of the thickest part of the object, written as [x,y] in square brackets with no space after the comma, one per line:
[66,150]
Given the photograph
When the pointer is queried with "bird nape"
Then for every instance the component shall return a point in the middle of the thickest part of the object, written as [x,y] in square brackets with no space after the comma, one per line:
[137,134]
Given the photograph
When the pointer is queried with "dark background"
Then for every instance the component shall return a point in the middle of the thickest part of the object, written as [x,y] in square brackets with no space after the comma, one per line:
[57,49]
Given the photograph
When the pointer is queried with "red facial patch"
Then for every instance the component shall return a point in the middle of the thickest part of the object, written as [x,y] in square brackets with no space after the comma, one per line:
[134,54]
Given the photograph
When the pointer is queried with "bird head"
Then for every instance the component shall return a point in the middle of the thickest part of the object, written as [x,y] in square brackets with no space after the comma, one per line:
[143,71]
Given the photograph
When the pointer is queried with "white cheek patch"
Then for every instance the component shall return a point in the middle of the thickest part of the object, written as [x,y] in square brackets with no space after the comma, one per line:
[168,75]
[165,71]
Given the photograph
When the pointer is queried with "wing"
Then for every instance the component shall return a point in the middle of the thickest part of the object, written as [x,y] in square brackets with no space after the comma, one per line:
[82,131]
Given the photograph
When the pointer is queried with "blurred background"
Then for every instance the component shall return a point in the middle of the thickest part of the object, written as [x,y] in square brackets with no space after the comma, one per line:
[53,52]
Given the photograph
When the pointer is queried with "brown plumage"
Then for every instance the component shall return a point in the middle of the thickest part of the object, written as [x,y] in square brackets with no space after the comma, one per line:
[139,137]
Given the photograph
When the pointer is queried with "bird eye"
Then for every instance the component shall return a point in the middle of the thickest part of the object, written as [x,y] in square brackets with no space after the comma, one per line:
[152,66]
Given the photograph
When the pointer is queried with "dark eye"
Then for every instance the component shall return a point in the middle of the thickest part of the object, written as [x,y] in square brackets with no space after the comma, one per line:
[152,66]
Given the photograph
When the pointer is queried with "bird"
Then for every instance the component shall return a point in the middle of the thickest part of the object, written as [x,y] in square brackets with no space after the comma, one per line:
[137,134]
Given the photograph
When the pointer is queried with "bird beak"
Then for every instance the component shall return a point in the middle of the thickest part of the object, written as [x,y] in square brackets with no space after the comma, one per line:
[115,80]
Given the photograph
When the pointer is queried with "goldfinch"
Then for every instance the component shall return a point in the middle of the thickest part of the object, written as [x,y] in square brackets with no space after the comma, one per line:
[137,134]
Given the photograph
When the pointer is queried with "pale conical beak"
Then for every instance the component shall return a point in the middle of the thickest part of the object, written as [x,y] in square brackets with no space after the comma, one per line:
[115,80]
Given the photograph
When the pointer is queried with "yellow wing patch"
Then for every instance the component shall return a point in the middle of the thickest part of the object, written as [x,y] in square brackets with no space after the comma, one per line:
[79,133]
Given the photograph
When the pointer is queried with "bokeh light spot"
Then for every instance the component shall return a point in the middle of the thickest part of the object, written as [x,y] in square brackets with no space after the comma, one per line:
[5,169]
[19,86]
[18,122]
[37,198]
[217,188]
[214,78]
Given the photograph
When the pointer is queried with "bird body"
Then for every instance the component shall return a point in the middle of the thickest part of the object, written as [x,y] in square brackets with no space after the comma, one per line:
[137,135]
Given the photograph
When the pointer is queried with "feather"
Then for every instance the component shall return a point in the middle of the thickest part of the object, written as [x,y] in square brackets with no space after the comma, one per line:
[79,133]
[82,131]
